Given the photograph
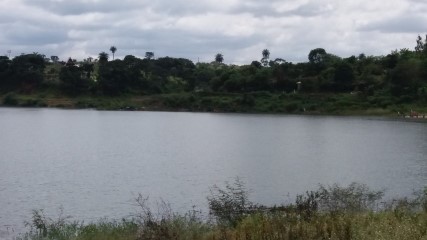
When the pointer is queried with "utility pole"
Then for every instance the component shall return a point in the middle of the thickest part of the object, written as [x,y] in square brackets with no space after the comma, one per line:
[8,53]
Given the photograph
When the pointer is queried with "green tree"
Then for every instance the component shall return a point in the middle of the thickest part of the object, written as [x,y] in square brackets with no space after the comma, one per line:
[326,79]
[317,56]
[4,63]
[234,83]
[149,55]
[279,61]
[103,57]
[113,50]
[219,58]
[283,77]
[88,69]
[406,78]
[5,72]
[256,64]
[54,59]
[74,80]
[112,77]
[319,60]
[203,74]
[131,60]
[266,53]
[390,61]
[117,77]
[260,81]
[420,44]
[343,77]
[27,71]
[265,57]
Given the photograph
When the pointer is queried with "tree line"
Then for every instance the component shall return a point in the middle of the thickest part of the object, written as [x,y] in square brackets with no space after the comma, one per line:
[401,74]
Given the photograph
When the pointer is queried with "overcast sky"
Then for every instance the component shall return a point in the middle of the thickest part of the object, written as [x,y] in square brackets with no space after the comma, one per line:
[198,29]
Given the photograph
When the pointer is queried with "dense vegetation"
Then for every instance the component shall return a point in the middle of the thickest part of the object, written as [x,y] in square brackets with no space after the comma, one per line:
[325,84]
[330,212]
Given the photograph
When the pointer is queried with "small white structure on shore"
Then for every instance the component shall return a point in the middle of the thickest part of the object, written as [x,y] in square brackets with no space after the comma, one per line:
[299,86]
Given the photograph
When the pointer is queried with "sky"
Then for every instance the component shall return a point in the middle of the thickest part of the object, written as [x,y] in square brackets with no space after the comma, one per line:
[199,29]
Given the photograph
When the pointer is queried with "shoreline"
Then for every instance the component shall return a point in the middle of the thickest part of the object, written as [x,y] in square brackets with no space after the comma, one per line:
[356,115]
[258,103]
[330,212]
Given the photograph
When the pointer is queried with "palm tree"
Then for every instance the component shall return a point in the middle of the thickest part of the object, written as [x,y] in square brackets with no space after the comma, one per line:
[265,57]
[113,49]
[266,54]
[219,58]
[103,57]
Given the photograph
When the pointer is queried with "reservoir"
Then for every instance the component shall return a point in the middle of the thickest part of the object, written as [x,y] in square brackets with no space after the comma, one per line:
[93,164]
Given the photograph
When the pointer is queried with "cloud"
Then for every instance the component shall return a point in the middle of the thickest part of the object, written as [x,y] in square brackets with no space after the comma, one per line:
[399,24]
[39,36]
[311,9]
[197,29]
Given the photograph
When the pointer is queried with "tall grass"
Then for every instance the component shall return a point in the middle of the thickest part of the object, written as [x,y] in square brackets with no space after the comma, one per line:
[330,212]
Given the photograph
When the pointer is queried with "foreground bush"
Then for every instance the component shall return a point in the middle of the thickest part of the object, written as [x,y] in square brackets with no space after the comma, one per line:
[331,212]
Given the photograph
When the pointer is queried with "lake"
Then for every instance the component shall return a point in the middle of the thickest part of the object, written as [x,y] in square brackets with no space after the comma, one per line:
[93,164]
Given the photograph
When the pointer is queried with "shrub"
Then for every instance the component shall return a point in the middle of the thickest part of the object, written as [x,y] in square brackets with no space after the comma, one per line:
[354,198]
[291,107]
[307,204]
[43,227]
[229,205]
[11,99]
[165,224]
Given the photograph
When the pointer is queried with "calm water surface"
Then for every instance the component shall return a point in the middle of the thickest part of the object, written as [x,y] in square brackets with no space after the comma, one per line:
[94,163]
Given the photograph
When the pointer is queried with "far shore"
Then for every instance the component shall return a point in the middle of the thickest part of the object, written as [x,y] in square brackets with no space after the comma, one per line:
[254,103]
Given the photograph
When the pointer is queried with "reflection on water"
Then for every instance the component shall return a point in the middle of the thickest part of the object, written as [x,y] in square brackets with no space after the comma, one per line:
[94,163]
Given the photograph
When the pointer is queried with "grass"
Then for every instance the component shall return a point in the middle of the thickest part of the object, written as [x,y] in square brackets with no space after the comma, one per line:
[331,212]
[372,225]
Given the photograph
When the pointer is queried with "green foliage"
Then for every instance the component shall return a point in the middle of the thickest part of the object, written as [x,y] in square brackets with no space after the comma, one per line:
[26,72]
[10,99]
[75,80]
[104,230]
[421,45]
[343,77]
[113,50]
[336,199]
[118,77]
[265,57]
[331,212]
[43,227]
[5,73]
[386,82]
[317,56]
[406,78]
[103,57]
[149,55]
[231,204]
[219,58]
[291,107]
[307,205]
[163,223]
[354,198]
